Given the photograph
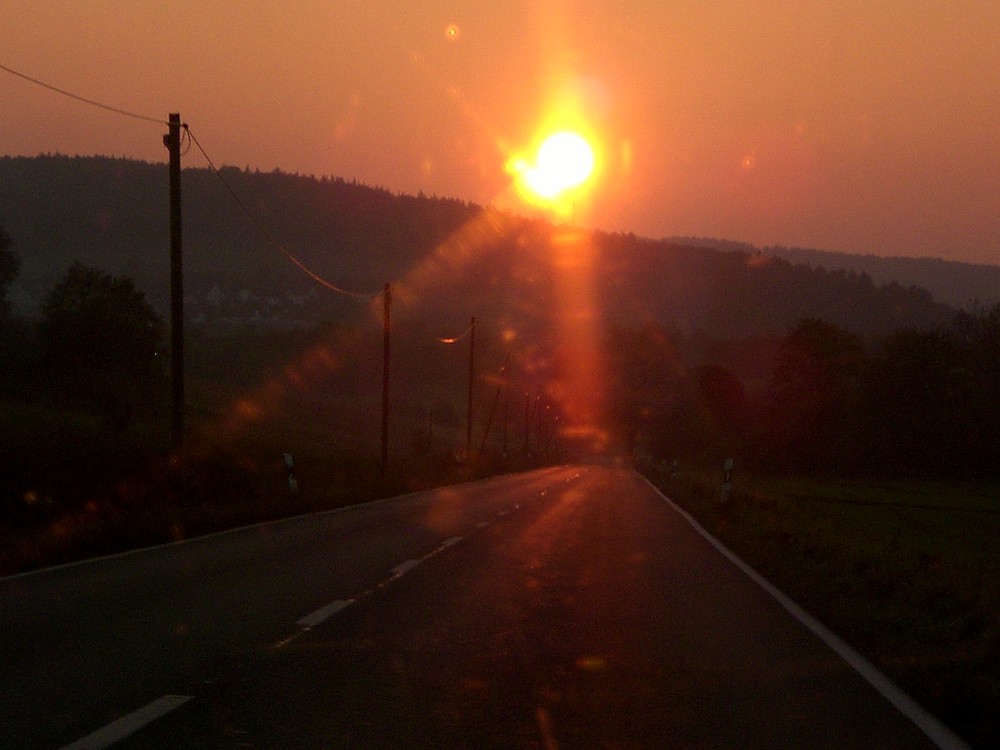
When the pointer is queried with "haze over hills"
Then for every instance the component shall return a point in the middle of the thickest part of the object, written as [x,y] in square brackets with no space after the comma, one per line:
[448,255]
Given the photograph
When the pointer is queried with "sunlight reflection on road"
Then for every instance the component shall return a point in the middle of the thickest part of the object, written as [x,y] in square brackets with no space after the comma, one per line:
[576,321]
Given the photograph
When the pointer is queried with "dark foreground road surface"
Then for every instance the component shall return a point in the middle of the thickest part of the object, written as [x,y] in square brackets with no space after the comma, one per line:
[566,608]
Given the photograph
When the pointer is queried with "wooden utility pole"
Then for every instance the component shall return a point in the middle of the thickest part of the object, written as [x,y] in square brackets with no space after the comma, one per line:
[493,408]
[172,140]
[539,425]
[386,326]
[527,420]
[472,377]
[506,419]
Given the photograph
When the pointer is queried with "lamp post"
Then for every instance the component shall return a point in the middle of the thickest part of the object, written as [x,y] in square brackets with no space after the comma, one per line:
[472,380]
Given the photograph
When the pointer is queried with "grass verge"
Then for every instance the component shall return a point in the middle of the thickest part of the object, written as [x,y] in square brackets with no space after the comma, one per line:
[72,488]
[906,572]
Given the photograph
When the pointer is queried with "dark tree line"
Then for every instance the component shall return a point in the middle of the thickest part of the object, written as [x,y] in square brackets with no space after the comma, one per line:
[9,265]
[913,403]
[916,403]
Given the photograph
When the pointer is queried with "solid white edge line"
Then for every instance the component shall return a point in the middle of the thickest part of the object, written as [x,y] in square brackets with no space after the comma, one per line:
[452,541]
[315,618]
[930,725]
[129,724]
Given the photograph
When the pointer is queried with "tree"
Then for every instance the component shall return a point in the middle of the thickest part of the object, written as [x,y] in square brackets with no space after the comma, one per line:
[813,395]
[724,396]
[978,334]
[100,336]
[653,400]
[9,266]
[918,406]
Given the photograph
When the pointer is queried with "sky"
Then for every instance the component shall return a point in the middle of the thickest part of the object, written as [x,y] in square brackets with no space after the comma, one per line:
[857,126]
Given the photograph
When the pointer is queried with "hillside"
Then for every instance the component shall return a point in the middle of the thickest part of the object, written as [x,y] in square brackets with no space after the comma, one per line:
[112,213]
[451,258]
[956,284]
[951,282]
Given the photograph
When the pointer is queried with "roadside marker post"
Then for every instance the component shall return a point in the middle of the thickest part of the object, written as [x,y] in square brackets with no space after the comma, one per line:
[727,481]
[293,484]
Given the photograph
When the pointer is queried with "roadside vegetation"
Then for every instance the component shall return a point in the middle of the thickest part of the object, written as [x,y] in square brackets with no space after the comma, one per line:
[906,571]
[112,493]
[75,485]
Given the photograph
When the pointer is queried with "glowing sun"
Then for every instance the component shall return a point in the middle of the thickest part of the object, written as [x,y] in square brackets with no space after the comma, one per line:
[565,160]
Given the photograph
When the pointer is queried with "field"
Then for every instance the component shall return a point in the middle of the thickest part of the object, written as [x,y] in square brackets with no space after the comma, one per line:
[906,572]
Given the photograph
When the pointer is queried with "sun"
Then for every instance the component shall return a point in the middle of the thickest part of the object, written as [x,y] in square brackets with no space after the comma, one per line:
[564,161]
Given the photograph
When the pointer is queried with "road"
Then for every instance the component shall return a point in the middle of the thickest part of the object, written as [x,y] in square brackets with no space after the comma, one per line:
[566,607]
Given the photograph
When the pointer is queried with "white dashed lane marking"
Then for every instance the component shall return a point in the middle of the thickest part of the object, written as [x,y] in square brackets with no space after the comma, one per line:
[323,613]
[315,618]
[133,722]
[129,724]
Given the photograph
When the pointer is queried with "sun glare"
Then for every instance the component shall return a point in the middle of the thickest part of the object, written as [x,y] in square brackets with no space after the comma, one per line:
[564,161]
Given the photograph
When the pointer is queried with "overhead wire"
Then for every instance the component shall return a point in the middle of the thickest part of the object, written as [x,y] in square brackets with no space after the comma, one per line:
[190,137]
[186,141]
[267,233]
[85,100]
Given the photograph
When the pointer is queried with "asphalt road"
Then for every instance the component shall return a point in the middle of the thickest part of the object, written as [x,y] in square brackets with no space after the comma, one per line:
[568,607]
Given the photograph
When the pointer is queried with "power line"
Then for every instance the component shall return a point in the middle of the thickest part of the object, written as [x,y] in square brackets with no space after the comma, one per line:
[270,237]
[85,100]
[192,139]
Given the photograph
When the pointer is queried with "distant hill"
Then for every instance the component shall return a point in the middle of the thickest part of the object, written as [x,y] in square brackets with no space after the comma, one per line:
[113,213]
[951,282]
[448,258]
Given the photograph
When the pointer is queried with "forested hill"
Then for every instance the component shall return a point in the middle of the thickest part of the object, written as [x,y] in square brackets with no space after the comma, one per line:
[113,214]
[954,283]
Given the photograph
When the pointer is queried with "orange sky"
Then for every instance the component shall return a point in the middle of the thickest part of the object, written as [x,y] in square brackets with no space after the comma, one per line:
[854,126]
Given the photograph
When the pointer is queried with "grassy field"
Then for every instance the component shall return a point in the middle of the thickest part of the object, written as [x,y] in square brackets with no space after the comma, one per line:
[907,572]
